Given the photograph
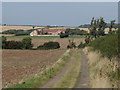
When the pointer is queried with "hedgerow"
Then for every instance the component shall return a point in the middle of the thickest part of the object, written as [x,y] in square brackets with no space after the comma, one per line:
[107,45]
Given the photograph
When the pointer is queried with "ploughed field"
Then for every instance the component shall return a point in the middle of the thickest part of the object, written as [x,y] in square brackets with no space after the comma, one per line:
[21,64]
[63,41]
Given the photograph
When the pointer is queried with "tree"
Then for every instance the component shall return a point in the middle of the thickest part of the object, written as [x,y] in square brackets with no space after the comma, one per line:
[27,43]
[4,40]
[101,27]
[112,23]
[97,27]
[33,27]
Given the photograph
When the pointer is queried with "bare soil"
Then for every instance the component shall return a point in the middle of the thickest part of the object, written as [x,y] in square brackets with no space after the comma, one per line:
[20,64]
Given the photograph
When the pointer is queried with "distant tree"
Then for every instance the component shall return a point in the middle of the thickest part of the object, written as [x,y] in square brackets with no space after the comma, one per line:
[33,27]
[97,27]
[3,43]
[112,23]
[27,43]
[101,27]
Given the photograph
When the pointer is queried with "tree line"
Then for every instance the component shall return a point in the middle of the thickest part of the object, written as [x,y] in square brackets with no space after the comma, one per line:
[26,43]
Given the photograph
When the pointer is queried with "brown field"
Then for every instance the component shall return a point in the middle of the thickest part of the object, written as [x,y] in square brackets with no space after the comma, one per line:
[63,41]
[20,64]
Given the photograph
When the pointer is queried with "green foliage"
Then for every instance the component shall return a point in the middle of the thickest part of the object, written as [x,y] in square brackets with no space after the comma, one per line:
[108,45]
[64,35]
[87,40]
[27,43]
[17,32]
[13,45]
[24,44]
[97,27]
[49,45]
[3,43]
[111,26]
[75,31]
[81,45]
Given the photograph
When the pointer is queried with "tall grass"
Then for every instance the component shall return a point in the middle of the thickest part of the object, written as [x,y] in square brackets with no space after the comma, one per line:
[107,46]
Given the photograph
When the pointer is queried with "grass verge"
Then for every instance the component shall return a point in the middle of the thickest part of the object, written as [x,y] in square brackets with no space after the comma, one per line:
[103,72]
[47,74]
[70,78]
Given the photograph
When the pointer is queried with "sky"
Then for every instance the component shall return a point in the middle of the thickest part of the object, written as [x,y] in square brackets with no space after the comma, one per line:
[60,0]
[57,13]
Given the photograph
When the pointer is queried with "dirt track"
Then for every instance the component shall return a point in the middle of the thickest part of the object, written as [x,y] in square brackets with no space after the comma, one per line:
[59,76]
[83,80]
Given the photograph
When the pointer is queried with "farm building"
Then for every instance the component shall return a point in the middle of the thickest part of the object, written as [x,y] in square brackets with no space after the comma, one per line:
[52,32]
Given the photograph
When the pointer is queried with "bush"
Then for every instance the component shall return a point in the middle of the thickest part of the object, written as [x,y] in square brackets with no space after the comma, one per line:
[81,45]
[24,44]
[18,32]
[13,45]
[3,42]
[27,43]
[49,45]
[107,45]
[64,35]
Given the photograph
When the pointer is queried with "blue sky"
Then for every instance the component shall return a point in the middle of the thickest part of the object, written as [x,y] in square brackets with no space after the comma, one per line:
[57,13]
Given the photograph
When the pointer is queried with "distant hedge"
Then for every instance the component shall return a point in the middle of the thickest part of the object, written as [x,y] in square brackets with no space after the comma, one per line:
[17,32]
[64,35]
[49,45]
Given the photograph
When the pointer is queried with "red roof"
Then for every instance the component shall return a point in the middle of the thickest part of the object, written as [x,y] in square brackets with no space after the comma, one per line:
[54,30]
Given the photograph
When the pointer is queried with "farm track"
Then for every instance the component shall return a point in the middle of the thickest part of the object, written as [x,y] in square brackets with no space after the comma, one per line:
[83,80]
[59,76]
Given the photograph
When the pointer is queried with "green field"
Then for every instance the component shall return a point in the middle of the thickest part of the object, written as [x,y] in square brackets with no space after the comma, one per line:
[73,36]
